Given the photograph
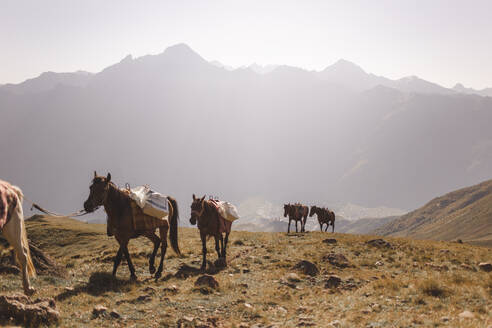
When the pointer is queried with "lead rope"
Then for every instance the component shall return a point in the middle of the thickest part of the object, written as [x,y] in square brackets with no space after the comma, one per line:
[45,211]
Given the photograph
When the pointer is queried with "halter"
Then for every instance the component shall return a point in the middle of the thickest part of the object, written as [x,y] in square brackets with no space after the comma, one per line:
[199,213]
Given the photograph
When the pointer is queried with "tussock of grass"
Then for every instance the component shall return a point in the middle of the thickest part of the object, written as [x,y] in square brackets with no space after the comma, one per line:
[432,287]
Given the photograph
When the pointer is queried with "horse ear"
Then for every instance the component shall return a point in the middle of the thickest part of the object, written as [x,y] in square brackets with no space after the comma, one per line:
[194,197]
[108,178]
[202,198]
[95,174]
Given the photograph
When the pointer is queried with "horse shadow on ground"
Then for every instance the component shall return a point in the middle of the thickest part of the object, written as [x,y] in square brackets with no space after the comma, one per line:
[98,284]
[185,271]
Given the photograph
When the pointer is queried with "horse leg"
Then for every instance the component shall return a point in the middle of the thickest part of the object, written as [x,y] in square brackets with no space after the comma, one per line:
[163,234]
[296,226]
[224,248]
[288,229]
[203,237]
[333,227]
[124,247]
[157,241]
[327,226]
[12,231]
[321,226]
[117,260]
[217,247]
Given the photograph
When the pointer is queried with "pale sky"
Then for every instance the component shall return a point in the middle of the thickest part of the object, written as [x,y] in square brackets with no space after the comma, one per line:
[443,41]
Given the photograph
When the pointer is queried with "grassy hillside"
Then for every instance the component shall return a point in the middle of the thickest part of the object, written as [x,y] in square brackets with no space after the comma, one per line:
[463,214]
[408,283]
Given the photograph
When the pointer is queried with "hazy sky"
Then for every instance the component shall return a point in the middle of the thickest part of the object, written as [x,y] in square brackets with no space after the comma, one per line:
[444,41]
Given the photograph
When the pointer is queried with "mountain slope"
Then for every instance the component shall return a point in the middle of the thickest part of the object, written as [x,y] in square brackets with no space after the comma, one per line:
[267,281]
[465,214]
[48,81]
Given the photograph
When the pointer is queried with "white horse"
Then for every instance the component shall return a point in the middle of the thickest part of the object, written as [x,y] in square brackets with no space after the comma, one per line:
[14,231]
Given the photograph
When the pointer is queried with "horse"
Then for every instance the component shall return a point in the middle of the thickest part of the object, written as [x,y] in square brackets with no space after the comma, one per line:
[210,223]
[121,216]
[296,212]
[13,229]
[325,216]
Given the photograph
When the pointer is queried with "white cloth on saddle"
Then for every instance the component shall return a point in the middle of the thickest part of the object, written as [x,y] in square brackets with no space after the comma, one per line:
[227,211]
[151,202]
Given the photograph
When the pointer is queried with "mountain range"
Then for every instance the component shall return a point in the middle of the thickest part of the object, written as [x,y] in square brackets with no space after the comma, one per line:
[184,125]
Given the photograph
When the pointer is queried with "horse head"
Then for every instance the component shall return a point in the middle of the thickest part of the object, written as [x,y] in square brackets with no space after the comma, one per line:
[314,209]
[98,192]
[197,209]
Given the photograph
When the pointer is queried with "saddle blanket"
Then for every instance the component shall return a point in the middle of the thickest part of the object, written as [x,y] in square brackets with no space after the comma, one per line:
[151,202]
[7,196]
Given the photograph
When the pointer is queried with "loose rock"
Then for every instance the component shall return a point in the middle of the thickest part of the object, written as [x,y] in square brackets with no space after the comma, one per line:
[207,280]
[379,243]
[115,314]
[337,259]
[487,267]
[466,314]
[307,267]
[293,277]
[30,313]
[330,241]
[99,310]
[333,281]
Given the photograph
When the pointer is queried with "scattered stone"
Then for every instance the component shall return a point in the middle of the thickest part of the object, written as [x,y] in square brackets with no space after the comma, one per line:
[333,281]
[379,263]
[115,314]
[293,277]
[487,267]
[207,280]
[337,259]
[445,319]
[29,313]
[467,267]
[330,241]
[459,241]
[307,267]
[171,290]
[9,269]
[99,310]
[249,306]
[466,314]
[144,298]
[437,266]
[379,243]
[336,323]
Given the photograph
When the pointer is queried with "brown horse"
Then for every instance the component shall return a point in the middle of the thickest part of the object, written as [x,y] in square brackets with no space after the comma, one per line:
[296,212]
[210,223]
[117,204]
[325,216]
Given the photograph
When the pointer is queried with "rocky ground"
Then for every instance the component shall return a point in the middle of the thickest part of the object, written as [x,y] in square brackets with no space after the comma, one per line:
[271,280]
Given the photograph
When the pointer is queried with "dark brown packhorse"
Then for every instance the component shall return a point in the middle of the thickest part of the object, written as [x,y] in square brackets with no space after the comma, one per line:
[325,216]
[296,212]
[117,204]
[210,223]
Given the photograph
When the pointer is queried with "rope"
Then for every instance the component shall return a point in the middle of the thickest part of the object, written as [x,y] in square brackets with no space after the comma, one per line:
[45,211]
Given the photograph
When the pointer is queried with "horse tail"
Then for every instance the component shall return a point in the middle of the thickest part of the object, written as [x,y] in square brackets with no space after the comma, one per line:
[31,271]
[173,232]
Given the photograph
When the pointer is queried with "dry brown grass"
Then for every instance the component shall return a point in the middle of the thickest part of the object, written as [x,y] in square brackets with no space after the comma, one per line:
[402,291]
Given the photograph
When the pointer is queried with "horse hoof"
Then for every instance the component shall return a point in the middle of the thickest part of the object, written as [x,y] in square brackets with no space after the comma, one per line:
[29,291]
[152,270]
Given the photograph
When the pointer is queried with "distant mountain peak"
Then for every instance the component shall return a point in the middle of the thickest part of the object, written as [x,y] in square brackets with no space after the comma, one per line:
[343,65]
[181,50]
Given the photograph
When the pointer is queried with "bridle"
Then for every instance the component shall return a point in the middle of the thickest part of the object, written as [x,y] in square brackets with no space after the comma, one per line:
[198,214]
